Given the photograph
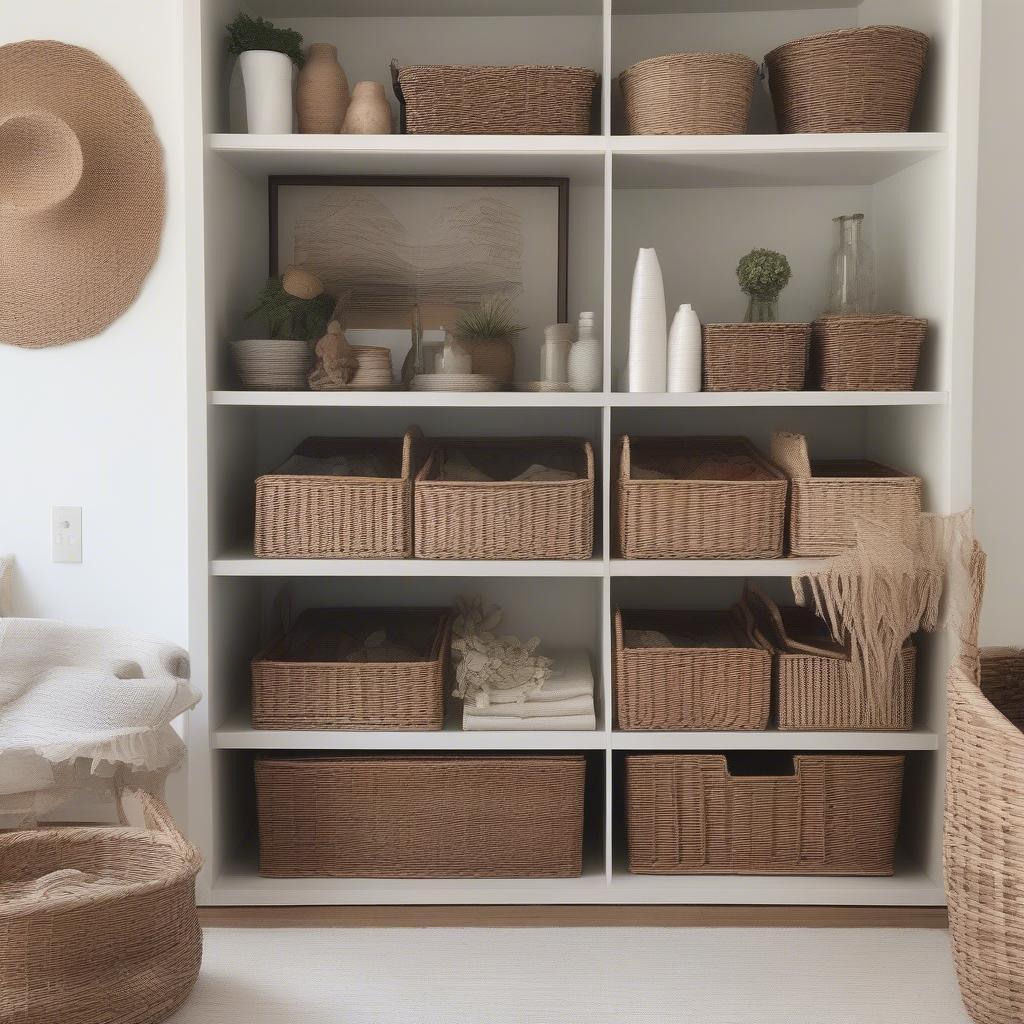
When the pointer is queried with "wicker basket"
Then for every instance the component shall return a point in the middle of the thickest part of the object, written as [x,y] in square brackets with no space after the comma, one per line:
[421,817]
[714,673]
[304,680]
[984,835]
[689,94]
[755,357]
[701,515]
[686,814]
[337,516]
[828,497]
[449,99]
[850,80]
[815,685]
[505,517]
[866,353]
[98,924]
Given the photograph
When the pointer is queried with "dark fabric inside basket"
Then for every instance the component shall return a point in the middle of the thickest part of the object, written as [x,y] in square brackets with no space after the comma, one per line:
[685,630]
[504,464]
[852,469]
[387,454]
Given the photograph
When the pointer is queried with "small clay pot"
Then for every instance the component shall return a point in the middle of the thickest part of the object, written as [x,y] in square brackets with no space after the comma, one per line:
[321,92]
[369,113]
[495,357]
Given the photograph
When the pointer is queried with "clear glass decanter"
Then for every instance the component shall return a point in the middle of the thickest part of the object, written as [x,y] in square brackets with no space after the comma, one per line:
[852,287]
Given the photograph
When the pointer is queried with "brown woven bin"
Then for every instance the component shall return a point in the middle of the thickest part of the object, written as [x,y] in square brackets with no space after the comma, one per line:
[850,80]
[504,517]
[304,516]
[866,353]
[421,817]
[450,99]
[715,673]
[815,685]
[681,498]
[304,680]
[755,357]
[98,924]
[689,94]
[834,815]
[827,497]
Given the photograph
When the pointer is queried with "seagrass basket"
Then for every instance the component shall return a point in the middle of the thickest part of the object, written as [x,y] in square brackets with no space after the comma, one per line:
[309,678]
[699,497]
[689,94]
[421,816]
[816,814]
[755,357]
[866,353]
[690,670]
[827,497]
[849,80]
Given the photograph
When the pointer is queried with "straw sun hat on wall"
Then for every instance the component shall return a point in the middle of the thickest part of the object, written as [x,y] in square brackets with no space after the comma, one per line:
[81,194]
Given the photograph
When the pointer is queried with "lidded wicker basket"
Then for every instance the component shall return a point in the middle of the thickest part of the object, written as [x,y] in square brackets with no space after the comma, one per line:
[755,357]
[689,94]
[866,353]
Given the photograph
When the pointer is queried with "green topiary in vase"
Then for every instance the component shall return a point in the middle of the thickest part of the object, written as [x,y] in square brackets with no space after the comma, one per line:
[763,273]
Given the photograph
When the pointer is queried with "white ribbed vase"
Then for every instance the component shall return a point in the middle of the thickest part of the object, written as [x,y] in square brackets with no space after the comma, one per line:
[586,357]
[648,341]
[267,75]
[684,351]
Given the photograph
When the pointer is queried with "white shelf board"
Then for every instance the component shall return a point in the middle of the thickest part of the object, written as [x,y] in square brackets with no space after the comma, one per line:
[755,399]
[245,565]
[774,739]
[439,8]
[713,566]
[725,6]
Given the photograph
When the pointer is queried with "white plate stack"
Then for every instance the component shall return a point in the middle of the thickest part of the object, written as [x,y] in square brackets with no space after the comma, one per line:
[648,339]
[272,364]
[455,382]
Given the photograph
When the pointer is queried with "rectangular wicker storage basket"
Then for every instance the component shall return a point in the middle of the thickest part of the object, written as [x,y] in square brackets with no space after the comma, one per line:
[816,686]
[755,357]
[304,679]
[828,497]
[329,516]
[687,814]
[700,497]
[866,353]
[450,99]
[421,817]
[499,516]
[690,670]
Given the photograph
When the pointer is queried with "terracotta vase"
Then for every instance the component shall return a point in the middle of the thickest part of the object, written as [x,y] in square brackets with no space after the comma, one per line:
[495,357]
[369,113]
[321,92]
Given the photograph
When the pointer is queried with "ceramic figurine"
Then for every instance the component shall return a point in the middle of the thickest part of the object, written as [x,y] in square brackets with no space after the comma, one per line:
[336,363]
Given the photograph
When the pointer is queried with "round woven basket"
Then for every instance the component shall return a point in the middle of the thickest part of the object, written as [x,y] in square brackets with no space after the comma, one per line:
[851,80]
[689,94]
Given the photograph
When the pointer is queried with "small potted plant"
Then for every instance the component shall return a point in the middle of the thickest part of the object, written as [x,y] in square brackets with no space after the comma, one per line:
[266,54]
[490,330]
[763,273]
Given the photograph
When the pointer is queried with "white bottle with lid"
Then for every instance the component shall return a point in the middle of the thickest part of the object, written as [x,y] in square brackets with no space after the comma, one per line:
[684,351]
[586,357]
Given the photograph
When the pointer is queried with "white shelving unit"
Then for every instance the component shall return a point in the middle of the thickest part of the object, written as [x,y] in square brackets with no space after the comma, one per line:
[702,202]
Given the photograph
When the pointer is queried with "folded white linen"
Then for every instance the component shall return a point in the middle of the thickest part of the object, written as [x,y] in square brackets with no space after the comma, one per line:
[496,723]
[571,676]
[581,705]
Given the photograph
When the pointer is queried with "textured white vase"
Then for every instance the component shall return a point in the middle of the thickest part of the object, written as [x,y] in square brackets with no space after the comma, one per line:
[586,357]
[267,75]
[684,351]
[648,341]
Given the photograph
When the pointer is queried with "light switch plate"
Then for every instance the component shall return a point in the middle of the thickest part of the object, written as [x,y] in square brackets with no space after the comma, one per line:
[66,533]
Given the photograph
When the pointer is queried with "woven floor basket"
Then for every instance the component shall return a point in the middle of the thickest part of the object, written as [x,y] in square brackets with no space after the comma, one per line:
[421,817]
[336,516]
[722,680]
[689,94]
[984,837]
[303,680]
[506,518]
[850,80]
[836,815]
[866,353]
[755,357]
[448,99]
[827,497]
[696,518]
[98,925]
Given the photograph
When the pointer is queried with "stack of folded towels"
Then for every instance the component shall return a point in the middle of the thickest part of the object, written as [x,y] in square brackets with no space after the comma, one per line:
[565,701]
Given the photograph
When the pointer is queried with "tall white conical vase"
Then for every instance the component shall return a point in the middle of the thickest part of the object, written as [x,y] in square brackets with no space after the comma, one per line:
[648,338]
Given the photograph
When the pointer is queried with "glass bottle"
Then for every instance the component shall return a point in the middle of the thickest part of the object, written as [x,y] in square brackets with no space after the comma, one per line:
[415,361]
[554,354]
[852,287]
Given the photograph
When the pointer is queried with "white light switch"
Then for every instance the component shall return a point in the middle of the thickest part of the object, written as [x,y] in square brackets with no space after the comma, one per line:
[66,533]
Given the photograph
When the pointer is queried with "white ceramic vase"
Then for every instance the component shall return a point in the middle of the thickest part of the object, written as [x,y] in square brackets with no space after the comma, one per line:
[586,357]
[267,75]
[648,340]
[684,351]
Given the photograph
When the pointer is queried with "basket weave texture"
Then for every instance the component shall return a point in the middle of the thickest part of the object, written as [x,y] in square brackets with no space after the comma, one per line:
[449,99]
[506,518]
[828,497]
[689,94]
[755,357]
[421,817]
[866,353]
[850,80]
[722,681]
[339,517]
[837,815]
[697,517]
[303,682]
[98,924]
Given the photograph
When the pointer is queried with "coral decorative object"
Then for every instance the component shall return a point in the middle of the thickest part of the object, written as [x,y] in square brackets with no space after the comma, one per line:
[369,113]
[321,92]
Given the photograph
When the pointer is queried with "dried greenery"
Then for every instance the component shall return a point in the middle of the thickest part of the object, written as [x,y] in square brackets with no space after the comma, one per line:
[288,316]
[493,318]
[246,33]
[763,273]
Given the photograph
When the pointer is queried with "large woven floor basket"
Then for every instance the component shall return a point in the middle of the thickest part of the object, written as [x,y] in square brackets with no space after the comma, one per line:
[850,80]
[984,840]
[98,925]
